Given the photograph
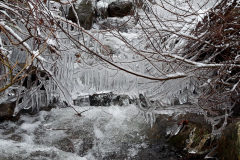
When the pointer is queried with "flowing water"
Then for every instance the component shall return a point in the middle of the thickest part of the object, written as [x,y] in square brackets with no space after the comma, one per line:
[99,133]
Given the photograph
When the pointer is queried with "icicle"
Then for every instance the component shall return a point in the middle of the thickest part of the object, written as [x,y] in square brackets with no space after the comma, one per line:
[88,41]
[38,100]
[96,43]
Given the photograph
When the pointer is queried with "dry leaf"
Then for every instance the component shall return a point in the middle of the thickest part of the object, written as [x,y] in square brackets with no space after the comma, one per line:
[41,21]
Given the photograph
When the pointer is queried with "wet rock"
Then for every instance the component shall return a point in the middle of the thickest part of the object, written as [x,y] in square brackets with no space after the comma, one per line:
[7,130]
[107,99]
[229,144]
[119,9]
[158,151]
[43,155]
[103,99]
[15,137]
[11,157]
[6,111]
[85,14]
[179,140]
[82,140]
[86,145]
[143,101]
[65,145]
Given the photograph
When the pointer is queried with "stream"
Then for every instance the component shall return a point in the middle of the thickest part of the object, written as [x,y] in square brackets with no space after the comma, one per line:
[100,133]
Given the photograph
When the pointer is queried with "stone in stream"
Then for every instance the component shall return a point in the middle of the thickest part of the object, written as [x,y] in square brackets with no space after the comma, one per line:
[85,14]
[107,99]
[103,99]
[6,111]
[65,144]
[119,9]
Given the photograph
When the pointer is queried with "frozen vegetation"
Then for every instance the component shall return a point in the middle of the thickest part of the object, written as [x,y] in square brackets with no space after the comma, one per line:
[45,56]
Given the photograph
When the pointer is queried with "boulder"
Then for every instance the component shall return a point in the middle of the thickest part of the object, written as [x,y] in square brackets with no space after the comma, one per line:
[103,99]
[229,144]
[107,99]
[119,9]
[6,111]
[85,14]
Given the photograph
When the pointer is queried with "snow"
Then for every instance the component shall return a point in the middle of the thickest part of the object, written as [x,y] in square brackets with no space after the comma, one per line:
[101,4]
[178,74]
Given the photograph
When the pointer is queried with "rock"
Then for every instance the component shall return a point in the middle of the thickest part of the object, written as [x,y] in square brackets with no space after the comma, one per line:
[65,145]
[6,111]
[143,101]
[121,100]
[181,140]
[16,137]
[158,151]
[229,144]
[103,99]
[43,155]
[85,14]
[86,145]
[119,9]
[107,99]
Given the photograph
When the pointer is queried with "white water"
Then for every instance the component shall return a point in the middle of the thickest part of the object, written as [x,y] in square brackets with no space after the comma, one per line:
[98,133]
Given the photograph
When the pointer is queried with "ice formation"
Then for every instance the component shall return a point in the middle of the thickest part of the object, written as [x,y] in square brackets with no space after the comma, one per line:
[79,62]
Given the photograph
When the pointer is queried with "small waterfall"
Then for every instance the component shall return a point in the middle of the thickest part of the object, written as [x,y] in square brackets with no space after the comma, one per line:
[78,62]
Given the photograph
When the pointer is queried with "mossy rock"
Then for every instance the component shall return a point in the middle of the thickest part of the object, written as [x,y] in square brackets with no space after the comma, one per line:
[200,131]
[229,144]
[179,140]
[119,9]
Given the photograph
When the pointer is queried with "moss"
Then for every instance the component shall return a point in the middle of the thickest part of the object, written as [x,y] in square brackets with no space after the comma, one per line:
[228,143]
[178,141]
